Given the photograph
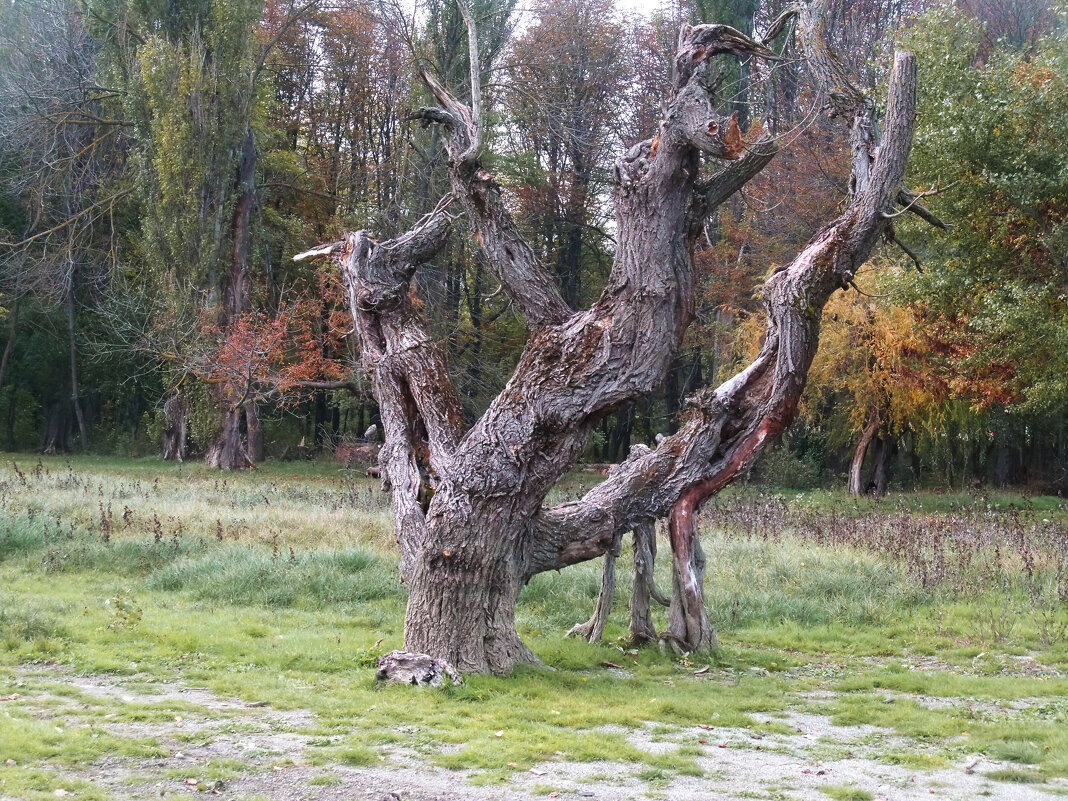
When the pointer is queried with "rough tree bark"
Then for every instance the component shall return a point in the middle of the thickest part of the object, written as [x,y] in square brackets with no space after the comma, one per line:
[643,590]
[469,505]
[689,627]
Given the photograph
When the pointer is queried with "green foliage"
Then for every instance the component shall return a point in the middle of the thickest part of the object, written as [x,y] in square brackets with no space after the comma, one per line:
[994,120]
[192,97]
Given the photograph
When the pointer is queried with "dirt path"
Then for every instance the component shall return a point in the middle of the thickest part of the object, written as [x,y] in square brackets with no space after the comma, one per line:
[224,748]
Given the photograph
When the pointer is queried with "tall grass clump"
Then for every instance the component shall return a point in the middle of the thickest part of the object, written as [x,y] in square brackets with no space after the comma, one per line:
[274,578]
[751,581]
[965,550]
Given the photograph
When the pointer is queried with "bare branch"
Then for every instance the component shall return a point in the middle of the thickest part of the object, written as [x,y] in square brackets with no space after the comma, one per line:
[421,413]
[911,202]
[511,259]
[713,191]
[476,87]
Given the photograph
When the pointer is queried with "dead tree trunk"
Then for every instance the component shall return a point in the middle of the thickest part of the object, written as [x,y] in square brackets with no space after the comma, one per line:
[469,505]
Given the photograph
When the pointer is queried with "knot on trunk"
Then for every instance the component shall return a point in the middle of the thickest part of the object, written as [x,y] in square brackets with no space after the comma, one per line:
[409,668]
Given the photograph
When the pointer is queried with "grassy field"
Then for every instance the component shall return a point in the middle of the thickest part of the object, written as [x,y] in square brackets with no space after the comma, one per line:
[155,619]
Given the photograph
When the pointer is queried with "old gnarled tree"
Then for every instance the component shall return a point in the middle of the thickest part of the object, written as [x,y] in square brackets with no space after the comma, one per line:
[469,503]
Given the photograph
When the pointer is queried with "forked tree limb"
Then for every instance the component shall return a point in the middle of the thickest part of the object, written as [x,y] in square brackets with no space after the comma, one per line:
[574,371]
[524,279]
[422,417]
[727,428]
[578,364]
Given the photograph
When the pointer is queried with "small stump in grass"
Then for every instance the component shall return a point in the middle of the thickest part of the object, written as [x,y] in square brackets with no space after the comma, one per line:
[409,668]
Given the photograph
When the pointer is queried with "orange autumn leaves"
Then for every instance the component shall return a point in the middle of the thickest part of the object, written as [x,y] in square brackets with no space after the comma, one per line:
[280,355]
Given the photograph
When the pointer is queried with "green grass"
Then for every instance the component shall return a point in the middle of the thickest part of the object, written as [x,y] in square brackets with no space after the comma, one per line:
[1015,776]
[844,792]
[300,594]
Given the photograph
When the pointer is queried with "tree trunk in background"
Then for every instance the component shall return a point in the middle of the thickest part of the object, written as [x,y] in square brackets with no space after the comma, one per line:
[319,435]
[229,451]
[59,426]
[75,397]
[12,409]
[619,440]
[175,417]
[254,433]
[857,486]
[880,474]
[9,347]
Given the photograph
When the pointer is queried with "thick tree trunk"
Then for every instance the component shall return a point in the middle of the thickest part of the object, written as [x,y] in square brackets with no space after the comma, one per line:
[228,451]
[468,505]
[461,607]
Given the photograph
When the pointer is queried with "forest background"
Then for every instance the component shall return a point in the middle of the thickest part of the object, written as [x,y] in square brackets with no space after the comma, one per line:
[162,160]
